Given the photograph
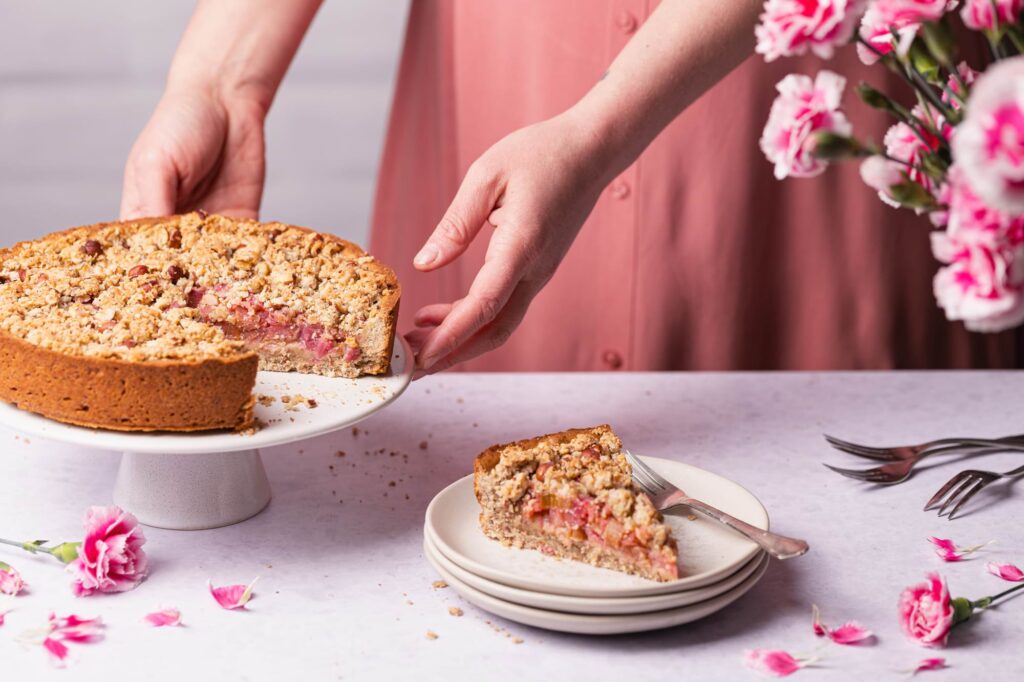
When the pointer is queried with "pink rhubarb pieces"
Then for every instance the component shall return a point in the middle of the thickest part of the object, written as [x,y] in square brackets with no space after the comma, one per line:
[232,597]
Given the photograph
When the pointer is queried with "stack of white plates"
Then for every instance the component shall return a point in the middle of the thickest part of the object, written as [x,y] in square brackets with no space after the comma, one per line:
[716,565]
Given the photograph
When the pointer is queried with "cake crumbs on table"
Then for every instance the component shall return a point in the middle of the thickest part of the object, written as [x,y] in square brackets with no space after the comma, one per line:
[265,400]
[431,634]
[454,611]
[439,584]
[294,402]
[251,430]
[423,445]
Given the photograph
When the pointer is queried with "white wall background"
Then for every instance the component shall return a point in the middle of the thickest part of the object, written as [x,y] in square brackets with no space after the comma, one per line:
[79,79]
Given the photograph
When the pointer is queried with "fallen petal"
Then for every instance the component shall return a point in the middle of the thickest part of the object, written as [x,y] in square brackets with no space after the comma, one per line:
[948,554]
[819,629]
[169,617]
[772,662]
[850,633]
[74,628]
[57,649]
[232,596]
[929,664]
[3,614]
[943,543]
[1006,572]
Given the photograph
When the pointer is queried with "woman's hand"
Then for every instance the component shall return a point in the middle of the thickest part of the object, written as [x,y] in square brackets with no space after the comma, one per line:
[535,187]
[199,150]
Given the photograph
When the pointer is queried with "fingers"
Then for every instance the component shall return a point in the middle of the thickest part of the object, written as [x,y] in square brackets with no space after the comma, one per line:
[150,186]
[433,315]
[462,221]
[491,336]
[488,294]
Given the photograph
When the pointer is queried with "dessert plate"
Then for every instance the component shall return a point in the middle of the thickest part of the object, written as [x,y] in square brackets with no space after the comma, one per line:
[600,624]
[591,605]
[708,551]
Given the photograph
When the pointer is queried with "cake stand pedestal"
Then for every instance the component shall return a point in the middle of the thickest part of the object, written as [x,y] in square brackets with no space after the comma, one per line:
[193,481]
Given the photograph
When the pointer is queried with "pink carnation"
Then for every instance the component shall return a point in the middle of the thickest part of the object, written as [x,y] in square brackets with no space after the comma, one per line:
[989,144]
[880,174]
[802,108]
[904,17]
[791,27]
[11,582]
[983,283]
[901,142]
[987,15]
[111,557]
[926,611]
[968,76]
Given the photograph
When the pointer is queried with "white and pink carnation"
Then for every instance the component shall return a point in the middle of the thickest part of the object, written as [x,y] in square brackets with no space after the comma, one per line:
[967,76]
[802,108]
[989,143]
[111,558]
[792,27]
[880,174]
[983,249]
[902,17]
[988,15]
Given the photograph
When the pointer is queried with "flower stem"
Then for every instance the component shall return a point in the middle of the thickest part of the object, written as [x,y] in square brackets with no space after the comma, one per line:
[986,602]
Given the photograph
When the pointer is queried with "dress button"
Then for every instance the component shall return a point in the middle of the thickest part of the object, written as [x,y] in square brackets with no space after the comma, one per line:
[626,21]
[611,359]
[619,189]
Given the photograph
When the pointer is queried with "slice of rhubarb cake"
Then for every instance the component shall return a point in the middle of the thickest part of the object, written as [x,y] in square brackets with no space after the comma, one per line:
[570,495]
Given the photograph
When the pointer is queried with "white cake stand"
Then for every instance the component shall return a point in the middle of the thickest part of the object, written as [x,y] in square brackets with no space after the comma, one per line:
[207,480]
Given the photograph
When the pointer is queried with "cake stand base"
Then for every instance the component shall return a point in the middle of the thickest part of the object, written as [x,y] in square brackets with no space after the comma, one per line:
[190,492]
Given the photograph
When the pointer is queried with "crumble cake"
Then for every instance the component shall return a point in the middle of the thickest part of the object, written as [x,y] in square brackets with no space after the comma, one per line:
[162,323]
[570,495]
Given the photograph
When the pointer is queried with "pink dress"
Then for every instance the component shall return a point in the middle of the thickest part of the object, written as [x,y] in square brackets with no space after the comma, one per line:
[695,258]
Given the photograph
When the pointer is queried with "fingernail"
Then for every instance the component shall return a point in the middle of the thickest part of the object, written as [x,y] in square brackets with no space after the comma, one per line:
[427,255]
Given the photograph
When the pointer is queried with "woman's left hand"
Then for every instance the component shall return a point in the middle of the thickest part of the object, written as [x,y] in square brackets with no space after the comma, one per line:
[535,187]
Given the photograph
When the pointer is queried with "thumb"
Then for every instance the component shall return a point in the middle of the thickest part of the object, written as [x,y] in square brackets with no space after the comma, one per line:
[462,221]
[150,187]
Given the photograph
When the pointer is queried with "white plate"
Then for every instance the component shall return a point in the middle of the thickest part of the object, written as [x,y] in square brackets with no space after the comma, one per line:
[590,605]
[340,403]
[599,625]
[708,551]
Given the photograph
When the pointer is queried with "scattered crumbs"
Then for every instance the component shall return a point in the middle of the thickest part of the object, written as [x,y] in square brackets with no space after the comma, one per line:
[268,565]
[431,634]
[454,611]
[265,400]
[691,517]
[423,445]
[251,430]
[517,640]
[294,402]
[407,496]
[355,431]
[339,453]
[391,484]
[291,419]
[459,401]
[409,602]
[331,467]
[439,584]
[475,425]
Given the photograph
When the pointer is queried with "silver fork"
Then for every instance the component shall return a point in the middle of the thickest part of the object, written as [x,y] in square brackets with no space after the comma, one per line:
[666,496]
[903,452]
[897,471]
[967,484]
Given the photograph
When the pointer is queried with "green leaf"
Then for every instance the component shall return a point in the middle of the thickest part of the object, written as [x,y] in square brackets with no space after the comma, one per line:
[912,195]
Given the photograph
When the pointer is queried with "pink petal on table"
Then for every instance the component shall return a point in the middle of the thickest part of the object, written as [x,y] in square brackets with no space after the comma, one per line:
[232,596]
[772,662]
[1006,572]
[57,649]
[943,543]
[169,617]
[929,664]
[850,633]
[948,555]
[74,628]
[819,629]
[3,614]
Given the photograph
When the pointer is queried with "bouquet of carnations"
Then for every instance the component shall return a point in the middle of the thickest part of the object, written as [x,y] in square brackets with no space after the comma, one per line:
[955,151]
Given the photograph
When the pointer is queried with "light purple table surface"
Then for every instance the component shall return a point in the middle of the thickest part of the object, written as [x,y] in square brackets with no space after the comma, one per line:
[345,592]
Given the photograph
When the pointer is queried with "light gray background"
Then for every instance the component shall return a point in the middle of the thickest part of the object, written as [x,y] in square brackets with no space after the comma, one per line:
[79,79]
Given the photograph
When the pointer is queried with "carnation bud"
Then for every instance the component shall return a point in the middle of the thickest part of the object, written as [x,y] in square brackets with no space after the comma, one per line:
[911,194]
[830,146]
[924,63]
[66,552]
[874,99]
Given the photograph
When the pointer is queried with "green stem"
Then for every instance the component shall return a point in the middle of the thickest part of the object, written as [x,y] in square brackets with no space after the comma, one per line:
[1015,38]
[986,602]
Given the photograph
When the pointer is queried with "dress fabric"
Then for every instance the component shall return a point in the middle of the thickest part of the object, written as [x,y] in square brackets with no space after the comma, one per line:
[695,257]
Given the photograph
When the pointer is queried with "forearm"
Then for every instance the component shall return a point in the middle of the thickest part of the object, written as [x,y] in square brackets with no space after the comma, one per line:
[240,47]
[684,48]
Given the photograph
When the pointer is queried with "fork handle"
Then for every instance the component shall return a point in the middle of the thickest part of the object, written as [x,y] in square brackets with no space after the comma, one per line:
[779,546]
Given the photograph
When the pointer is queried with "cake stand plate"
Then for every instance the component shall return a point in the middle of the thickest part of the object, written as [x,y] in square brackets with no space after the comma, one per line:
[191,481]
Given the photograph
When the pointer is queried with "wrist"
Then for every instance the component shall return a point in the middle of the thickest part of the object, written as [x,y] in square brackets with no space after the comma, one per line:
[607,134]
[228,92]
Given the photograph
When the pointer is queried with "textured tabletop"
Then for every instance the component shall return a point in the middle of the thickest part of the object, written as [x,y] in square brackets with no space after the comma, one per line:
[345,592]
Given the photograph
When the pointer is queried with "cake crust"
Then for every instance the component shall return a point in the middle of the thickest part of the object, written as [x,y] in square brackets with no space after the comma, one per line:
[205,386]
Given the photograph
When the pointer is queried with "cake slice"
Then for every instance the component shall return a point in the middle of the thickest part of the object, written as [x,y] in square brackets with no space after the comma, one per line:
[161,324]
[570,495]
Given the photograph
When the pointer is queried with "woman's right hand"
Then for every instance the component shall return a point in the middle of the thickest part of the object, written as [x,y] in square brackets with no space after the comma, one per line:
[199,150]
